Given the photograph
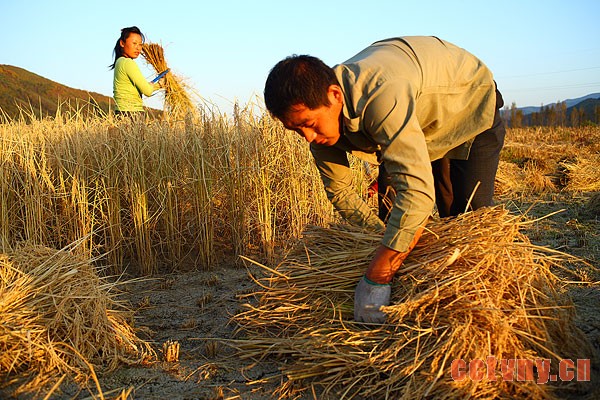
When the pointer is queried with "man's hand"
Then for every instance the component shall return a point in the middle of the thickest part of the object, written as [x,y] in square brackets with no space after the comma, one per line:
[384,264]
[386,261]
[368,299]
[374,289]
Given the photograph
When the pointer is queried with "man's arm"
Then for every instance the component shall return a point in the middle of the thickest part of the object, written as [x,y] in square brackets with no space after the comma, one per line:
[390,118]
[386,261]
[336,175]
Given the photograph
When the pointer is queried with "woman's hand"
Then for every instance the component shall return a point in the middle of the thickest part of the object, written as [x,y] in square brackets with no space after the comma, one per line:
[160,84]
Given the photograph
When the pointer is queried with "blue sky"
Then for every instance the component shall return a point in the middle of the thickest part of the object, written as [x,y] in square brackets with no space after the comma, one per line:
[540,52]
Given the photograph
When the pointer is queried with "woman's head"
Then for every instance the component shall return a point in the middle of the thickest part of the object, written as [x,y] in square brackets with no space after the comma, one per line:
[129,44]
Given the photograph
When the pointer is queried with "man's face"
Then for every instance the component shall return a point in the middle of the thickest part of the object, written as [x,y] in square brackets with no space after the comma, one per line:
[320,125]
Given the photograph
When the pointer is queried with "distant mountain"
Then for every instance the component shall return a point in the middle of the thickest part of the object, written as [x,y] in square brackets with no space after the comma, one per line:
[556,114]
[21,90]
[588,106]
[569,102]
[25,93]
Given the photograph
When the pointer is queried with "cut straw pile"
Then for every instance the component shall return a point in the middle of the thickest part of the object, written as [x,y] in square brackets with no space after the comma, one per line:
[59,319]
[583,173]
[473,287]
[177,100]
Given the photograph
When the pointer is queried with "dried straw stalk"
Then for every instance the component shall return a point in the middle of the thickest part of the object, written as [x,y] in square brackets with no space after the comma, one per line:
[474,287]
[582,173]
[59,318]
[178,103]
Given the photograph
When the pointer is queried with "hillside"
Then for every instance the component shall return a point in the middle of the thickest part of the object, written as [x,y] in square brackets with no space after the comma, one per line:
[570,103]
[576,112]
[24,90]
[587,107]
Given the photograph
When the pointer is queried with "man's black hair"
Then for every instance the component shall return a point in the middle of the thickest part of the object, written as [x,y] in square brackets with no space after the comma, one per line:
[298,79]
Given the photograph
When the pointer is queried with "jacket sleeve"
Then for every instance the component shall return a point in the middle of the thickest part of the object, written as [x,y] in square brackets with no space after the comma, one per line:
[138,80]
[336,175]
[390,117]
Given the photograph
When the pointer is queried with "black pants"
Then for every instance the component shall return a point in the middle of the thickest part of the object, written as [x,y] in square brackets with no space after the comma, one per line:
[457,180]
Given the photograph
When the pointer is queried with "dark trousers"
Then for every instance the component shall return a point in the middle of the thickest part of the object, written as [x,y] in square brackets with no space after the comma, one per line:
[460,185]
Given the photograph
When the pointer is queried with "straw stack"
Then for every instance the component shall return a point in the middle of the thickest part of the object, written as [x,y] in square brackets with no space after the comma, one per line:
[582,173]
[178,103]
[59,319]
[473,287]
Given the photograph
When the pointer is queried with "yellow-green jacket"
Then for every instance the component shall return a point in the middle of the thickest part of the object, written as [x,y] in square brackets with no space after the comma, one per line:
[414,100]
[129,84]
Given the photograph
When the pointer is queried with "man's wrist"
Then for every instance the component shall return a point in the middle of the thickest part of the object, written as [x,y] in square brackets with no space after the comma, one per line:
[370,282]
[384,265]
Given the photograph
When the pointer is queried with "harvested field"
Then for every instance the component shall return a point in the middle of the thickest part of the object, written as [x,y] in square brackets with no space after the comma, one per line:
[197,290]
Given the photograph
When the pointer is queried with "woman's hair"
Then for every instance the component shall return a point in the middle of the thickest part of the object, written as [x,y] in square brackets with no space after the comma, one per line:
[125,32]
[298,79]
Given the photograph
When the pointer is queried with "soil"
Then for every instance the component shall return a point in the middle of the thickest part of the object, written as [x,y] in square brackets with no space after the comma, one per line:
[194,308]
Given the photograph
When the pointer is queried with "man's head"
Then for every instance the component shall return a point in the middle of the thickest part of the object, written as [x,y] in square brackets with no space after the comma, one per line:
[304,94]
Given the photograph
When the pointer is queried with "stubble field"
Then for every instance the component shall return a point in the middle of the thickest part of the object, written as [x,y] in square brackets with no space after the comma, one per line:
[192,199]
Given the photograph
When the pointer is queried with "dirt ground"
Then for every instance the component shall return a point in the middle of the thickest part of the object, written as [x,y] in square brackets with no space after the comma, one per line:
[194,308]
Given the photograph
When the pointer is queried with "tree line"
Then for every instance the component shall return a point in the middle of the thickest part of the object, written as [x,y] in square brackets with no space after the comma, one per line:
[557,114]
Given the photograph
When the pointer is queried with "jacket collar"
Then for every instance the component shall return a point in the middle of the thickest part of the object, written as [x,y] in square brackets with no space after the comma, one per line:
[350,124]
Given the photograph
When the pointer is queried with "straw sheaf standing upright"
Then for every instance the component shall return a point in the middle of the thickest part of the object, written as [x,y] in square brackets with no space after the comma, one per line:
[177,100]
[59,319]
[474,287]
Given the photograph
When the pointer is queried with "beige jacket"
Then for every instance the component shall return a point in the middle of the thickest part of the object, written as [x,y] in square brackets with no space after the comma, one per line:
[414,100]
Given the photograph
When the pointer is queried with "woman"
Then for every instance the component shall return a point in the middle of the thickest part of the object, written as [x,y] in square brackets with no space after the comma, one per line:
[129,84]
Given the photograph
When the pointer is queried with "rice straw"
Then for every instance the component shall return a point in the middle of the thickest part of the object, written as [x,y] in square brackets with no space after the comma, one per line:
[473,287]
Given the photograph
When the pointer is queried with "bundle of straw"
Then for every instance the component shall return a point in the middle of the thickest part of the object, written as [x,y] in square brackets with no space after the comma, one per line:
[582,173]
[178,103]
[59,319]
[511,179]
[473,287]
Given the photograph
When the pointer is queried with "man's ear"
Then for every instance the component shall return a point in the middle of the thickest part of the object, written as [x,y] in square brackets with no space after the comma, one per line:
[335,94]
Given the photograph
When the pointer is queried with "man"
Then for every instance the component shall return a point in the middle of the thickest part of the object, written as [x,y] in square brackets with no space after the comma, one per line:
[425,110]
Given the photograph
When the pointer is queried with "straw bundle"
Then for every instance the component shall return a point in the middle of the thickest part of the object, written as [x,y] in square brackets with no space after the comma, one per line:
[474,287]
[511,180]
[582,173]
[59,319]
[177,101]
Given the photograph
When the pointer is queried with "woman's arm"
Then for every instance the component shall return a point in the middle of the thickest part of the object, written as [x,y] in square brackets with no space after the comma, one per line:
[138,80]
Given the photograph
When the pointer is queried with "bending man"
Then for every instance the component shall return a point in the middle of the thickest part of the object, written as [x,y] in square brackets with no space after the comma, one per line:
[423,109]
